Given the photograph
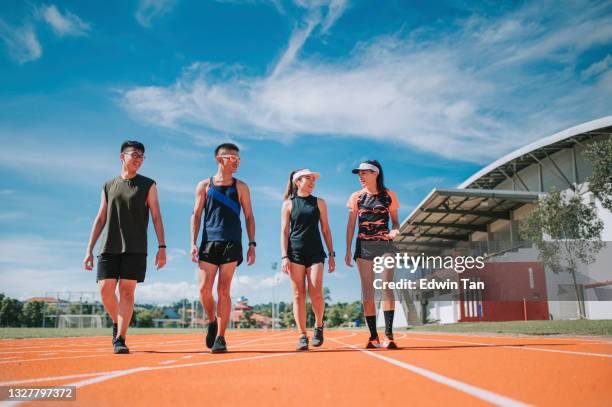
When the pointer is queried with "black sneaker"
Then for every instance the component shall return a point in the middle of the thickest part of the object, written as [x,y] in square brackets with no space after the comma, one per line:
[115,329]
[211,334]
[317,338]
[373,343]
[389,343]
[219,345]
[119,346]
[302,343]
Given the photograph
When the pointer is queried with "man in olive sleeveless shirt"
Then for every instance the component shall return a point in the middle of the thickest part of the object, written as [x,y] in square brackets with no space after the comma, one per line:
[221,198]
[124,209]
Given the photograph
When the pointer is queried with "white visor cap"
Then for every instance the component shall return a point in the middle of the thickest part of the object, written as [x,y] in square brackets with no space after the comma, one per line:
[366,166]
[303,172]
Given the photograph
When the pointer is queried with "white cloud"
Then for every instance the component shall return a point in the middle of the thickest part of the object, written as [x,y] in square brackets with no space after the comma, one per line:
[423,182]
[296,42]
[252,286]
[165,293]
[148,10]
[175,254]
[26,282]
[268,193]
[21,42]
[11,215]
[66,24]
[467,93]
[335,10]
[34,250]
[26,154]
[598,67]
[31,265]
[277,279]
[314,17]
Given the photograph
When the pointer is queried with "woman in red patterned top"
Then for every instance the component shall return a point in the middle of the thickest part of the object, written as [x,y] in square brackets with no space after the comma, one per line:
[373,206]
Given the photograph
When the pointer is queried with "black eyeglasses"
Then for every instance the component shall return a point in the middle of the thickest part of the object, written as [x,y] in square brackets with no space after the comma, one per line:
[136,156]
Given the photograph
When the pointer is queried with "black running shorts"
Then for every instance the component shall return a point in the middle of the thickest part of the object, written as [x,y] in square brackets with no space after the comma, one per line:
[368,249]
[125,266]
[219,252]
[305,259]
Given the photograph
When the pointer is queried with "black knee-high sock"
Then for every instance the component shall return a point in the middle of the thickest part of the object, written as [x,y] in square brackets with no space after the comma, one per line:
[389,323]
[371,320]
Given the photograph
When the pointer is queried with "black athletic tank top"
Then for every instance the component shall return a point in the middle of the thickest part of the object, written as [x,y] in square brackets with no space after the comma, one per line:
[304,235]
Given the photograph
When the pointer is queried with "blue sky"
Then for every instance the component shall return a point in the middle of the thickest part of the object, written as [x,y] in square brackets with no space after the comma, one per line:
[433,90]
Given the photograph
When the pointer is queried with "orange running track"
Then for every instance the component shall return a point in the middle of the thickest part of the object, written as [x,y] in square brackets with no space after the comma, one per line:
[262,369]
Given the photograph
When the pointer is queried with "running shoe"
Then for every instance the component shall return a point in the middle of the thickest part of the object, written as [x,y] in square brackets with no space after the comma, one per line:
[115,329]
[389,343]
[317,338]
[211,334]
[373,343]
[219,346]
[119,346]
[302,343]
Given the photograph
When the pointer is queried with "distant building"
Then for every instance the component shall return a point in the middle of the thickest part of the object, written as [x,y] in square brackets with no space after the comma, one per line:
[483,214]
[239,310]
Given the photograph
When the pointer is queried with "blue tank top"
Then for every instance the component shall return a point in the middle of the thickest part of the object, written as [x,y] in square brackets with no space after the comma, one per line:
[222,214]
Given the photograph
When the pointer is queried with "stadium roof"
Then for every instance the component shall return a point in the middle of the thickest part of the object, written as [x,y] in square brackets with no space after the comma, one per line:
[447,216]
[507,166]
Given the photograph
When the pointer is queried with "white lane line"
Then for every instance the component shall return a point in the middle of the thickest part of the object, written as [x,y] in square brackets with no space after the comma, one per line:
[588,341]
[4,362]
[139,340]
[101,377]
[42,352]
[242,344]
[117,373]
[51,378]
[76,376]
[474,391]
[105,353]
[570,352]
[59,346]
[167,362]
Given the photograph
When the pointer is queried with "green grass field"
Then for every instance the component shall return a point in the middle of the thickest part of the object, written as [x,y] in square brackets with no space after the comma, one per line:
[577,327]
[19,333]
[584,327]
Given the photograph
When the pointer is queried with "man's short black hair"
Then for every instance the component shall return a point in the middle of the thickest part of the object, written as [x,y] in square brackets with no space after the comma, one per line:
[137,145]
[226,146]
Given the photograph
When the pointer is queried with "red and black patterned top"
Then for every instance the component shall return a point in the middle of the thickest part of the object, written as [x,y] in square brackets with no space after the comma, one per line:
[373,213]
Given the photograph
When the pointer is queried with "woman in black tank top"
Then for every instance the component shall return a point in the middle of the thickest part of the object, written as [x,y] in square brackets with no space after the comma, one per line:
[302,250]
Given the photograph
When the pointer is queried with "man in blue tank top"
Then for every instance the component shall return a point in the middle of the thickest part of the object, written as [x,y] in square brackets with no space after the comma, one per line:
[221,198]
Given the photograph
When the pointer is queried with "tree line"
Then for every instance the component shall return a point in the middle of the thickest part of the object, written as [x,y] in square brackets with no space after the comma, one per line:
[15,313]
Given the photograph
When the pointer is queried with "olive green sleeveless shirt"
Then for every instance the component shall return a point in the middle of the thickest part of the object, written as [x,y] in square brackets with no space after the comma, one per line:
[127,215]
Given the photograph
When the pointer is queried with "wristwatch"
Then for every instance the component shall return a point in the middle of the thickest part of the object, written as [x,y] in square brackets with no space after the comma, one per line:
[332,254]
[253,243]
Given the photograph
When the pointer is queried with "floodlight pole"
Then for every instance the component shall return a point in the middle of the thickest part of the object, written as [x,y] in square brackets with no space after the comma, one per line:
[274,266]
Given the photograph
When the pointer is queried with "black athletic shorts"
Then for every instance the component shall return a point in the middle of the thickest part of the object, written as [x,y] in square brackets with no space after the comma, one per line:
[367,250]
[219,252]
[125,266]
[305,259]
